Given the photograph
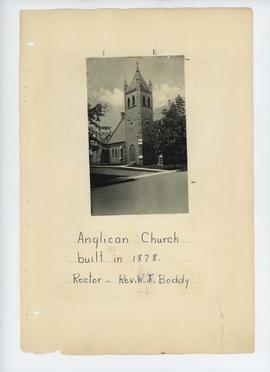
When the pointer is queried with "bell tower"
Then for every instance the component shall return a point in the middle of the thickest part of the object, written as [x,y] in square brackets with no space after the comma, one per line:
[139,118]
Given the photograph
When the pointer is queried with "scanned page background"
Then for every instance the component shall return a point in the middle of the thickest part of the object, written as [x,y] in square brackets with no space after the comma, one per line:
[215,315]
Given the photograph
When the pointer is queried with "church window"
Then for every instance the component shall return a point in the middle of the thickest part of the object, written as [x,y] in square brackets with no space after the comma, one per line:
[113,151]
[133,100]
[131,123]
[147,122]
[148,101]
[128,102]
[143,100]
[132,153]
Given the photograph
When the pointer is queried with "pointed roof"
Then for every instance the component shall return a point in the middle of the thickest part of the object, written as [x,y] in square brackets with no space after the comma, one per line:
[119,134]
[137,77]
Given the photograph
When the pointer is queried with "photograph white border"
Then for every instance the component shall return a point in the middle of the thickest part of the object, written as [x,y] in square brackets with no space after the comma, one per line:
[12,359]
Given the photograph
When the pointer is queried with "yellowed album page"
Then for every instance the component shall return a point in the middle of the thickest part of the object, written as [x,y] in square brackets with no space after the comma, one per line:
[136,181]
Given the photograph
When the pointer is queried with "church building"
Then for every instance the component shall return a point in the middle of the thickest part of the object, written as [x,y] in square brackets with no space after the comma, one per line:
[131,141]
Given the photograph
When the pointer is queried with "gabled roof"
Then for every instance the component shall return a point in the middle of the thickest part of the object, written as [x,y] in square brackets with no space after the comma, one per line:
[119,134]
[136,77]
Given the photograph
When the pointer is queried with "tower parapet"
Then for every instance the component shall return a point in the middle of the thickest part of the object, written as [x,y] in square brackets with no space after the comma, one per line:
[125,85]
[150,85]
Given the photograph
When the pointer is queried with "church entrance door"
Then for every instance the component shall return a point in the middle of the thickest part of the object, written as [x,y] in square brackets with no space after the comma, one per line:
[105,156]
[132,156]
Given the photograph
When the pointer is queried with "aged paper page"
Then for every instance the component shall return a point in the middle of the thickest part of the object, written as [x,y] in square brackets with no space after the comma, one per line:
[136,263]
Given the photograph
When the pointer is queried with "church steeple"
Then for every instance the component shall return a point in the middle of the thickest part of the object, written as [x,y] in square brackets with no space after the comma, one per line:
[138,118]
[137,81]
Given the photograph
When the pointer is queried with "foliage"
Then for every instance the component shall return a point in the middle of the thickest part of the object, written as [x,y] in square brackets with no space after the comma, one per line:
[170,133]
[97,133]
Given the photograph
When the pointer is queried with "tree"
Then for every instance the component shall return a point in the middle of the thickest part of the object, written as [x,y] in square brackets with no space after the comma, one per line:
[97,133]
[170,133]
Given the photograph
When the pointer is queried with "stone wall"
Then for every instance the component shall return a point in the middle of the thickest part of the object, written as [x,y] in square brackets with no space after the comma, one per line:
[147,135]
[133,127]
[138,121]
[117,153]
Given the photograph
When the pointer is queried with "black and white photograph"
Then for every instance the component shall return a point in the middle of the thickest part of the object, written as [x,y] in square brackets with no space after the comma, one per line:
[137,135]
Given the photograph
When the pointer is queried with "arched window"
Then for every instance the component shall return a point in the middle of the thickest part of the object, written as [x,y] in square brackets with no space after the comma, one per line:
[133,100]
[147,122]
[143,100]
[148,101]
[128,102]
[132,156]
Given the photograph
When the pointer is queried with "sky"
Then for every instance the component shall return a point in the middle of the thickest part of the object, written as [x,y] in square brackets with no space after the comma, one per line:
[106,76]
